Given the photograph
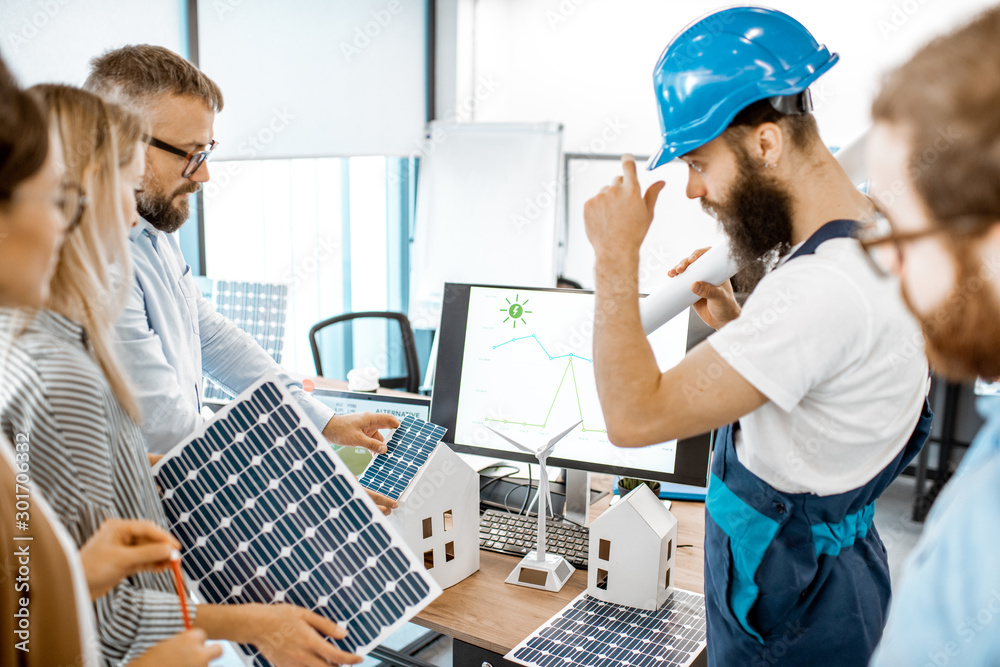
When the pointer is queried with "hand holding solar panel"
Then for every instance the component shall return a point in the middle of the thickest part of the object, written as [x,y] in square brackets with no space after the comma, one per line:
[360,429]
[407,450]
[267,513]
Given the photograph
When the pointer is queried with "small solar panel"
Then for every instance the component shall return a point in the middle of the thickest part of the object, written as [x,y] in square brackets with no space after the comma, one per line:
[266,512]
[257,308]
[406,452]
[592,633]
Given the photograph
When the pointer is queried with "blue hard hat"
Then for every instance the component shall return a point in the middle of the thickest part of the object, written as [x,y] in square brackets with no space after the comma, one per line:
[726,61]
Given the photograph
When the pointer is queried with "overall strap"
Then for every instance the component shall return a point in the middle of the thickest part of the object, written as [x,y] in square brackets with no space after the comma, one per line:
[835,229]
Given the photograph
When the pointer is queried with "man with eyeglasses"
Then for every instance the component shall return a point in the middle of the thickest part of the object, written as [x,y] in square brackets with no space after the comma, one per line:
[941,200]
[171,335]
[817,404]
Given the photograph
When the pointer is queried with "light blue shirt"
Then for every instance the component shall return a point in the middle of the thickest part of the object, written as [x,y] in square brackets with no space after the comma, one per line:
[171,337]
[946,610]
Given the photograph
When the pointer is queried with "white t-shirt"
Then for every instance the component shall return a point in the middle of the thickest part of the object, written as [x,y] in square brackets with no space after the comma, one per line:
[841,360]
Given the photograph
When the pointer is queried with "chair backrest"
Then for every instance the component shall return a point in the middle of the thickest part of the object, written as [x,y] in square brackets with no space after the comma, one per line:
[257,308]
[354,340]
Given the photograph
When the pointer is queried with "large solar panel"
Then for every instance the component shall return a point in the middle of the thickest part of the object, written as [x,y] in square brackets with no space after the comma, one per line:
[406,452]
[266,512]
[257,308]
[592,633]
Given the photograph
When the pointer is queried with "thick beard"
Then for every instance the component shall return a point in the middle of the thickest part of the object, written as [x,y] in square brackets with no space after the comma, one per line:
[962,335]
[158,209]
[757,218]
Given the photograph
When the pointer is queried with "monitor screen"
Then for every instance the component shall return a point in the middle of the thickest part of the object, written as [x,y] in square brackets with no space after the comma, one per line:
[520,361]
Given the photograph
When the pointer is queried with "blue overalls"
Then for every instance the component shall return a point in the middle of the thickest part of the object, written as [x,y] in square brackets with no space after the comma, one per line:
[795,578]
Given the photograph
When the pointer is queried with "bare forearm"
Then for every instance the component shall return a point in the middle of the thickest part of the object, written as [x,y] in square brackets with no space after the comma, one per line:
[641,406]
[229,622]
[624,365]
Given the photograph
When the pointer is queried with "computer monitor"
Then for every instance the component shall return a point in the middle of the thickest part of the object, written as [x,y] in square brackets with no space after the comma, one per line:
[520,360]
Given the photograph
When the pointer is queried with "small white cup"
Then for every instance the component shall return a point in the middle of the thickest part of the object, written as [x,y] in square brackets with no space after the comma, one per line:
[363,379]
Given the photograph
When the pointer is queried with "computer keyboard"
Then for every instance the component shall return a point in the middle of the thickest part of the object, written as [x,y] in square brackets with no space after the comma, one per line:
[517,534]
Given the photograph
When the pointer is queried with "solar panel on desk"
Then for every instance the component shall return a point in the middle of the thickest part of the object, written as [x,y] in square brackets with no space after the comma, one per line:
[593,633]
[267,513]
[407,450]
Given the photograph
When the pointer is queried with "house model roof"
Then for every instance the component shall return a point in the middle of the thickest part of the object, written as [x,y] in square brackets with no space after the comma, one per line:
[647,506]
[406,453]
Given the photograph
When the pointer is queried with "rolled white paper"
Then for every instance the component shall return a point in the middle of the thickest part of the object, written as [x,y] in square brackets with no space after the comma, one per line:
[714,267]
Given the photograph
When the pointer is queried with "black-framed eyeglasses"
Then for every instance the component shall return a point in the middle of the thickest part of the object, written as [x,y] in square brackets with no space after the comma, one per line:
[883,245]
[72,201]
[194,158]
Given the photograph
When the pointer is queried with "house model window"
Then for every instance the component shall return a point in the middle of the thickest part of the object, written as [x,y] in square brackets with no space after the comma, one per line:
[449,520]
[602,579]
[429,559]
[604,552]
[428,529]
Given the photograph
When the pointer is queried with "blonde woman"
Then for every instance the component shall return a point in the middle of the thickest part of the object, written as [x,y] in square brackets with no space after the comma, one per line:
[67,387]
[51,391]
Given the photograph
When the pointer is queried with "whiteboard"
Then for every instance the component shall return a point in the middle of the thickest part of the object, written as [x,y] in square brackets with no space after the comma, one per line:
[487,206]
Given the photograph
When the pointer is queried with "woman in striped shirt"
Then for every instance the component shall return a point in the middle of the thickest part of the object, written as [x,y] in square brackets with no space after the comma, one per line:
[35,206]
[67,391]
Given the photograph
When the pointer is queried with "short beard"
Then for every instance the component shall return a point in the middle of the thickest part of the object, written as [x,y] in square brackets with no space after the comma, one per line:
[962,335]
[158,209]
[757,218]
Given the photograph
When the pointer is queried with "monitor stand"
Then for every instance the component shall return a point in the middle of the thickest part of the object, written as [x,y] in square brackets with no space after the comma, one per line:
[577,508]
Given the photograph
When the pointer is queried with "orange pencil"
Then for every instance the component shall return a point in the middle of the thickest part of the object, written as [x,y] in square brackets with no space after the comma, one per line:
[175,564]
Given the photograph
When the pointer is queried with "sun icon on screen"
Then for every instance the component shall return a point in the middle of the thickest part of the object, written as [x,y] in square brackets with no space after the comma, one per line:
[515,311]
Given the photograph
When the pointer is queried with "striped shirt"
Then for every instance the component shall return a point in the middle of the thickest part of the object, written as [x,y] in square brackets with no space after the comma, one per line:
[87,456]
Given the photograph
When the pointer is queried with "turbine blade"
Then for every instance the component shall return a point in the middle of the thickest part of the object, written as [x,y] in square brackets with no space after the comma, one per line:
[553,441]
[523,448]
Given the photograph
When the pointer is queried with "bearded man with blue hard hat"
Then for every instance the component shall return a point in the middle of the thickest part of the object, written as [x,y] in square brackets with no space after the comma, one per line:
[817,383]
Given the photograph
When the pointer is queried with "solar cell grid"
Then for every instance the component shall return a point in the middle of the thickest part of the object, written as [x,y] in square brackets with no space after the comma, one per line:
[266,513]
[406,452]
[593,633]
[257,308]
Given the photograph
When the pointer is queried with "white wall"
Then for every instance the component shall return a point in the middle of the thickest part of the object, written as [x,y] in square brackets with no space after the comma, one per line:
[588,64]
[52,41]
[316,78]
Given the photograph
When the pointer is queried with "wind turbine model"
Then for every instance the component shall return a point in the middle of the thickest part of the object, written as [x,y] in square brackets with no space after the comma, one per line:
[539,569]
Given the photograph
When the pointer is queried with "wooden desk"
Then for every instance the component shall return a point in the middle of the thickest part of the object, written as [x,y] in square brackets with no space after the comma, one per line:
[486,612]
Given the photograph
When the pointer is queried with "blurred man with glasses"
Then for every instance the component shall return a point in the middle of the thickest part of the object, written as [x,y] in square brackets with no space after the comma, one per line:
[934,156]
[171,335]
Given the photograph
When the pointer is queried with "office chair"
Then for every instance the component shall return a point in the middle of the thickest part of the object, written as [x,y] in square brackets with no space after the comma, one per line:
[399,353]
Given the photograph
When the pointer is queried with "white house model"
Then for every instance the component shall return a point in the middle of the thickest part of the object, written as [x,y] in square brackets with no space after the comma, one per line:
[438,516]
[632,550]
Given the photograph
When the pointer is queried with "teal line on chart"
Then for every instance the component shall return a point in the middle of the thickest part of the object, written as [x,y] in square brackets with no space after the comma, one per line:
[569,371]
[561,356]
